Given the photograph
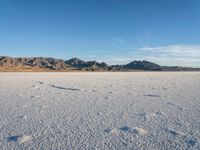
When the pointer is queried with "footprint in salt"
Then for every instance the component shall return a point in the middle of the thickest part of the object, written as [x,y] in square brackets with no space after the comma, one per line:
[24,139]
[151,116]
[140,131]
[35,87]
[21,139]
[19,94]
[191,142]
[35,96]
[126,129]
[135,130]
[152,95]
[40,82]
[112,131]
[23,117]
[169,103]
[164,88]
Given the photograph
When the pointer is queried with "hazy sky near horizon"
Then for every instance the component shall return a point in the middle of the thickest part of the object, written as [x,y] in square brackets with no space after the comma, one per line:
[115,31]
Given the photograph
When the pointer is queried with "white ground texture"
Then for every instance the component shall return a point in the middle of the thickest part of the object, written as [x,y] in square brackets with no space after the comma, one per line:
[138,110]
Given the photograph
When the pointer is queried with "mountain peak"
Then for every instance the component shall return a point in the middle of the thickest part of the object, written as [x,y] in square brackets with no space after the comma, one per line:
[142,65]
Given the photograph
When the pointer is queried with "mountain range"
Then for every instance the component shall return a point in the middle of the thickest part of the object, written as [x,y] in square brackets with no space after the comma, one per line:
[31,64]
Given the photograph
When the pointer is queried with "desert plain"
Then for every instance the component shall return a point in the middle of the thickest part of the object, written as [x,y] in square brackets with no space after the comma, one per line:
[100,110]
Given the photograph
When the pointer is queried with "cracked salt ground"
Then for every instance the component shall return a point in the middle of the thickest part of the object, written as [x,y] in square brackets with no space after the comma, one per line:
[139,110]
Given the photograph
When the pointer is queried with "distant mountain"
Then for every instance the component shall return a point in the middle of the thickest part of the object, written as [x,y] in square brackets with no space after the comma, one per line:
[32,63]
[75,64]
[86,65]
[142,65]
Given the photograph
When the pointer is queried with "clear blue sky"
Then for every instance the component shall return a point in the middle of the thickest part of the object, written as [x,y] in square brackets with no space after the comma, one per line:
[116,31]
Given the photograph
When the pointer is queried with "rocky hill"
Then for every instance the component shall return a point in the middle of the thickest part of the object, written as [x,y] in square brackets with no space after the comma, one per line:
[86,65]
[75,64]
[32,64]
[140,65]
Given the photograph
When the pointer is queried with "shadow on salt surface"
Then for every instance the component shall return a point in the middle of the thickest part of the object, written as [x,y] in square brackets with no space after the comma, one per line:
[64,88]
[188,140]
[151,95]
[169,103]
[125,128]
[40,82]
[35,87]
[20,139]
[191,142]
[13,138]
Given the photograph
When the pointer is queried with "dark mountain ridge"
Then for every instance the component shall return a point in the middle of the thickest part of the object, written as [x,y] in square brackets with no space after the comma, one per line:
[74,64]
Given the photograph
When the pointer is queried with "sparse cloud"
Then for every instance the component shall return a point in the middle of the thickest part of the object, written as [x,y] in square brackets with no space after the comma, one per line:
[191,50]
[182,55]
[170,55]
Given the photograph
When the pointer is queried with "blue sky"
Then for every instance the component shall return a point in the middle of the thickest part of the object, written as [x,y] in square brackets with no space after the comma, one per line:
[115,31]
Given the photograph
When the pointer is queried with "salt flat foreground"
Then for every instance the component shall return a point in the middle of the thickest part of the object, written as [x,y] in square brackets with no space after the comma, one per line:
[139,110]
